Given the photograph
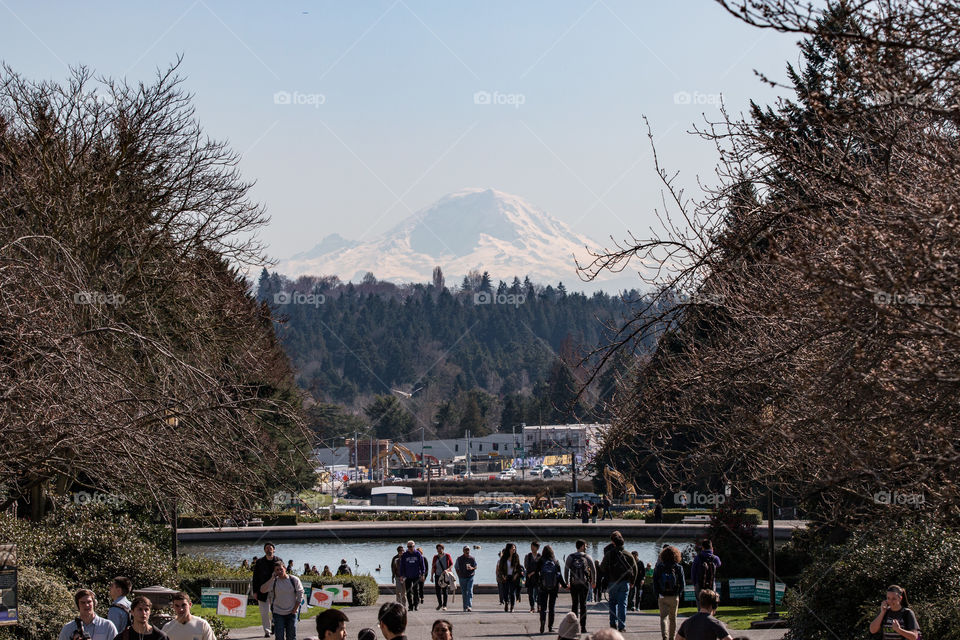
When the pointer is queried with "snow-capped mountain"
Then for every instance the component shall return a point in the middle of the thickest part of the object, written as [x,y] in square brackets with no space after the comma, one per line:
[470,229]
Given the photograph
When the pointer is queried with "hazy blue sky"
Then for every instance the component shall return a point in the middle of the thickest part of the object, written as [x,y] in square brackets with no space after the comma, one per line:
[400,123]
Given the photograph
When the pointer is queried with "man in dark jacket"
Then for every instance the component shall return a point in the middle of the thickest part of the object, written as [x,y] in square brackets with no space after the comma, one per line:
[263,571]
[621,572]
[704,571]
[412,568]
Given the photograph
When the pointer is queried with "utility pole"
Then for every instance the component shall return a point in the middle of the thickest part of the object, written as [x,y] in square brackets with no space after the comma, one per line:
[467,435]
[356,457]
[423,459]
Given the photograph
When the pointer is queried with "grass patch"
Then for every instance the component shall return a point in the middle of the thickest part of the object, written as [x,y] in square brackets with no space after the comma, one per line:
[734,616]
[252,619]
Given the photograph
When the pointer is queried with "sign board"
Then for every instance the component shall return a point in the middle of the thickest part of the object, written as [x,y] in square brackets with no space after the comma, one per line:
[689,593]
[320,598]
[210,596]
[762,593]
[232,605]
[8,584]
[742,588]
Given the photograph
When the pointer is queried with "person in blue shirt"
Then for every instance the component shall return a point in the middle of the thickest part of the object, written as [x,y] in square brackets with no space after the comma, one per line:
[87,623]
[119,612]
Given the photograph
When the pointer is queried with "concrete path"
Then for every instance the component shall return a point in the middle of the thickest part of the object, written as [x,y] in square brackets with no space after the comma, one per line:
[488,620]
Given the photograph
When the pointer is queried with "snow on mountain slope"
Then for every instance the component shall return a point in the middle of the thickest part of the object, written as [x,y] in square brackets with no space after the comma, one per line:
[470,229]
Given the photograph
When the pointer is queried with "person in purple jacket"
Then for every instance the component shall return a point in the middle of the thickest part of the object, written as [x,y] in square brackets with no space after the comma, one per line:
[412,566]
[704,570]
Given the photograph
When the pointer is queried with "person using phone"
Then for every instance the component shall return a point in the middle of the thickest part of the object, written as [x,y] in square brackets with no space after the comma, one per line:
[896,620]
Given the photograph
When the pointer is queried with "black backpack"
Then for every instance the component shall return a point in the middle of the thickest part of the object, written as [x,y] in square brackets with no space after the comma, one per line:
[668,580]
[578,569]
[549,575]
[708,574]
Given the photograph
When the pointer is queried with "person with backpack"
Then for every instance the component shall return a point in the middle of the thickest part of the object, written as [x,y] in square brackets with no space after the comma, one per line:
[704,571]
[119,611]
[549,579]
[668,585]
[442,562]
[620,570]
[579,573]
[896,619]
[285,593]
[87,624]
[530,568]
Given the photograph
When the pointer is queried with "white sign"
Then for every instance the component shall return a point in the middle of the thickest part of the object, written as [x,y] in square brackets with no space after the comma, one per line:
[233,605]
[319,597]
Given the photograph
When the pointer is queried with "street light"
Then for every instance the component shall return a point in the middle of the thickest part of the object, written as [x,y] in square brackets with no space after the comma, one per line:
[173,422]
[772,615]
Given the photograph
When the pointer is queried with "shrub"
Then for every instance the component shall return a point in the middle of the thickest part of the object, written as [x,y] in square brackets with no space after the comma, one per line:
[45,604]
[365,589]
[86,547]
[196,572]
[845,583]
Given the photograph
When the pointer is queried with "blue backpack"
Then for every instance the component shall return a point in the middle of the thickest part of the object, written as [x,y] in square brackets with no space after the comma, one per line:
[548,575]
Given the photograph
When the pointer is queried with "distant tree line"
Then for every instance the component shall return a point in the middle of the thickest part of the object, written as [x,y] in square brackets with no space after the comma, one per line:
[395,359]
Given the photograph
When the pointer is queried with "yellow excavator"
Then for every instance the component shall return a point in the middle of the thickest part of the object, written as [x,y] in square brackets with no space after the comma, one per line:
[624,488]
[404,455]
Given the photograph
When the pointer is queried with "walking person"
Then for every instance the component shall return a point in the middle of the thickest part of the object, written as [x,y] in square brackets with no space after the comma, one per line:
[441,630]
[605,503]
[636,590]
[87,624]
[549,579]
[594,512]
[702,625]
[658,513]
[263,571]
[285,595]
[466,566]
[667,586]
[529,569]
[896,619]
[423,575]
[411,568]
[140,627]
[509,572]
[442,562]
[119,611]
[397,576]
[186,626]
[620,570]
[579,573]
[704,570]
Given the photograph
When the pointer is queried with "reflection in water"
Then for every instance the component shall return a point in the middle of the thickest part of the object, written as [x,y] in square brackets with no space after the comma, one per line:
[364,556]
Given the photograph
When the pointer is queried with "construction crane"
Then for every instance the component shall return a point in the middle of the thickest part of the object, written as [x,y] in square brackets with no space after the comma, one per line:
[616,479]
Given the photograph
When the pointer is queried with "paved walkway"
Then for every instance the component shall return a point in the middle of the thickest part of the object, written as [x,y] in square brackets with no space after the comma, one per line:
[488,620]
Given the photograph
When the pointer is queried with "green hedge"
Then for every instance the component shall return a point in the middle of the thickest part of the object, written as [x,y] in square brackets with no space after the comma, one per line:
[557,488]
[844,583]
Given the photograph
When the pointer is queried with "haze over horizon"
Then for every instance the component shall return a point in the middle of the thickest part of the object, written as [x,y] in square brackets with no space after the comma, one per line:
[351,117]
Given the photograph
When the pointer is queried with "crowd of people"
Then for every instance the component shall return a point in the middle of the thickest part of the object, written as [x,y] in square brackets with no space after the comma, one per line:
[619,574]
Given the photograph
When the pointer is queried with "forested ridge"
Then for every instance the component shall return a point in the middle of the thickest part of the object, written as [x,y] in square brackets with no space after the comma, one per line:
[478,355]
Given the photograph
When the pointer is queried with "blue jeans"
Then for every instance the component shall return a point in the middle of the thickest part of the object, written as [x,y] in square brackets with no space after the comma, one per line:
[617,593]
[466,592]
[285,626]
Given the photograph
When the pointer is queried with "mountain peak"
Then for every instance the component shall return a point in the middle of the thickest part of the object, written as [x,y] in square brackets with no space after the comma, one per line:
[471,228]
